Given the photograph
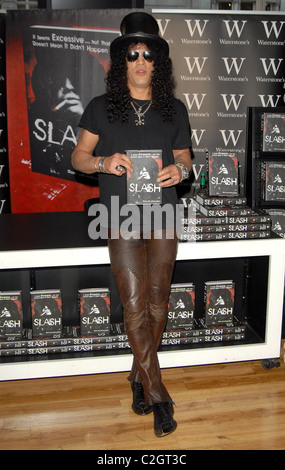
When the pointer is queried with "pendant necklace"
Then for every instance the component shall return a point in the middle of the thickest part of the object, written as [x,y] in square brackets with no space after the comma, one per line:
[139,112]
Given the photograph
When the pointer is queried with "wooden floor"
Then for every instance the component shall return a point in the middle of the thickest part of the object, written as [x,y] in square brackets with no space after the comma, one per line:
[228,406]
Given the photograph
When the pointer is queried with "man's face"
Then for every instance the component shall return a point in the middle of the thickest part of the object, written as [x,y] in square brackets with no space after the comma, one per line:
[139,72]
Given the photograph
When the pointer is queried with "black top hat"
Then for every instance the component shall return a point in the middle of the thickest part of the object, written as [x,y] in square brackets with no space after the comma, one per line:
[138,26]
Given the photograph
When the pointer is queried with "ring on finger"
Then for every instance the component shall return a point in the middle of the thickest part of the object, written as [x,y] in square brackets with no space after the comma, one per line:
[172,179]
[119,168]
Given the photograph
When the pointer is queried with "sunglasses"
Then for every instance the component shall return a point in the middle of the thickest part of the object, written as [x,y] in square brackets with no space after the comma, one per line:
[132,56]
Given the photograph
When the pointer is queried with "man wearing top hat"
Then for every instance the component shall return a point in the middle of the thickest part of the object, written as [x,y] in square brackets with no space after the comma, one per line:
[137,112]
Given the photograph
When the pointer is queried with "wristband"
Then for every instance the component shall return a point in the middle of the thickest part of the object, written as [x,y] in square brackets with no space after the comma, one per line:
[101,165]
[184,171]
[95,165]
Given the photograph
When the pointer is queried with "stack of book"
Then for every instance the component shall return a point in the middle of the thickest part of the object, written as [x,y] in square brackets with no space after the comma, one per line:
[224,218]
[217,323]
[200,333]
[71,342]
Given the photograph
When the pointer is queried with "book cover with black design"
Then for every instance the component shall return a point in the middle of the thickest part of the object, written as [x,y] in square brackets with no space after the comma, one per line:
[11,315]
[274,184]
[94,311]
[142,186]
[46,308]
[223,175]
[273,132]
[181,306]
[219,302]
[278,221]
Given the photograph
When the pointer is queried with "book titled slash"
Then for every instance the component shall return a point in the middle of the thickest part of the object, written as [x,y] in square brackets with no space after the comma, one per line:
[274,181]
[223,175]
[273,132]
[219,302]
[142,186]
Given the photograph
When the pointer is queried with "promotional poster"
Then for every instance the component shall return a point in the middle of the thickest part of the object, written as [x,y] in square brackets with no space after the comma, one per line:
[56,63]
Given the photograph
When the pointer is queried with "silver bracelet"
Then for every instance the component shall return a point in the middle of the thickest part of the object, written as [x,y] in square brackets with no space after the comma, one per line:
[184,171]
[95,165]
[101,165]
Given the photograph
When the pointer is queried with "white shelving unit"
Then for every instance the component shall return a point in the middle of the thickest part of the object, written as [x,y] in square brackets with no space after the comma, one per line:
[274,249]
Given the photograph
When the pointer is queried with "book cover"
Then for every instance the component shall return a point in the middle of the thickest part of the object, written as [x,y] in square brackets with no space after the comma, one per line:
[94,306]
[56,96]
[181,306]
[46,308]
[11,315]
[273,132]
[142,187]
[219,302]
[274,184]
[223,175]
[278,221]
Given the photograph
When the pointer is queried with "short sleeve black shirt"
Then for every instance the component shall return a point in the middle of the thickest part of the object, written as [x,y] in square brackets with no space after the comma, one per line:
[119,137]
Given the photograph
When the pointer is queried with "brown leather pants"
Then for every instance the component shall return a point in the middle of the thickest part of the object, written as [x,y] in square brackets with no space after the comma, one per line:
[143,271]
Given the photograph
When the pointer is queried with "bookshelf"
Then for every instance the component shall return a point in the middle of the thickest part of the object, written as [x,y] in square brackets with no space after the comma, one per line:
[46,249]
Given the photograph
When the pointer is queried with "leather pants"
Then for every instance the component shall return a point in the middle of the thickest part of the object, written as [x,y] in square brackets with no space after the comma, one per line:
[143,270]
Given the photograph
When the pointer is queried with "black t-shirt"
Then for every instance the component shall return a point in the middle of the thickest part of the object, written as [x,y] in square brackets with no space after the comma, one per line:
[119,137]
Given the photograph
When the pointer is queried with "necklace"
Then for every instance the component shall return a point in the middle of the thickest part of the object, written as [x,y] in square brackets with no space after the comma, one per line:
[139,112]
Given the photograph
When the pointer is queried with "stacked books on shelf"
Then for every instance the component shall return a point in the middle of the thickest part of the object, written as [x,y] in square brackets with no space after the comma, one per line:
[47,334]
[272,168]
[224,218]
[220,213]
[96,332]
[70,341]
[216,323]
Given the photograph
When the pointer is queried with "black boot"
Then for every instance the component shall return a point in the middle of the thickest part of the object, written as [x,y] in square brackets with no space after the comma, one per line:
[163,419]
[138,405]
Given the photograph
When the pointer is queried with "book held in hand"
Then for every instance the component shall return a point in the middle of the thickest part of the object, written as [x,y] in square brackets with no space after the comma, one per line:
[142,186]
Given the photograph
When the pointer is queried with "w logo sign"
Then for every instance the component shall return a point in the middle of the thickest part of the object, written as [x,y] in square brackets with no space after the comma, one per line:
[195,63]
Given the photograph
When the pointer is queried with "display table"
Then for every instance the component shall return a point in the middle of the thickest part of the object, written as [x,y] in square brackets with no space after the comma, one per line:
[33,245]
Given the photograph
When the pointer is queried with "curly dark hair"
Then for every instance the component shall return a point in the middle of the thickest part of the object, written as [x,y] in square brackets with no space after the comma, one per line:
[118,96]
